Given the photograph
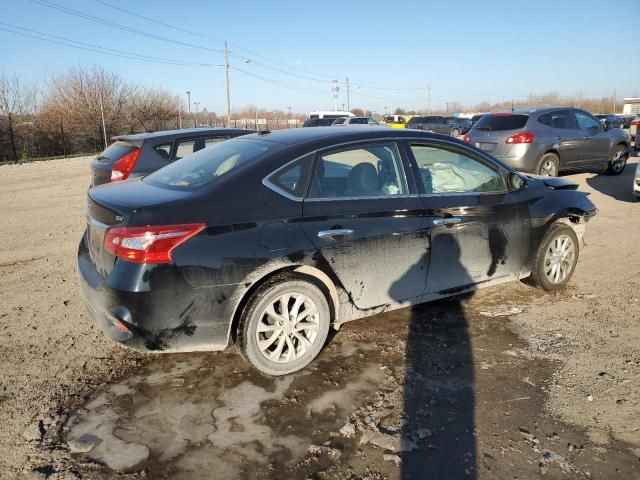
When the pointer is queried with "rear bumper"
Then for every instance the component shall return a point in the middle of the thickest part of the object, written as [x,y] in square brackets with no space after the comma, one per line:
[170,317]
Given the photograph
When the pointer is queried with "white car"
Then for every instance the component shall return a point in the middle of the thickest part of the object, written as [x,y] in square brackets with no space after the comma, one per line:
[636,182]
[356,122]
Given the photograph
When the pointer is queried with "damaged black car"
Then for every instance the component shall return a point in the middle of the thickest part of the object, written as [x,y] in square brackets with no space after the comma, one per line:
[271,239]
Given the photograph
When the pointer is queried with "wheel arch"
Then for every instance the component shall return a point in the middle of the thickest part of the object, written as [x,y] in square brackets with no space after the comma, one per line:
[313,274]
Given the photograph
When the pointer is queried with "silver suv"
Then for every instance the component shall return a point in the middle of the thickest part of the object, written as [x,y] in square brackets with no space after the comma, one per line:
[548,140]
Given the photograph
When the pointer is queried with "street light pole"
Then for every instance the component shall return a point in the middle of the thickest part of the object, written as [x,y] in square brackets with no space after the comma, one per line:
[195,122]
[189,100]
[226,74]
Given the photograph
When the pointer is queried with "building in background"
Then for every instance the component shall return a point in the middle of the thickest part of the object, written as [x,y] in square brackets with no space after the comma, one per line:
[631,106]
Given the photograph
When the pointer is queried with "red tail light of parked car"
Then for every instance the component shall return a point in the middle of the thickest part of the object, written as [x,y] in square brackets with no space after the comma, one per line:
[523,137]
[125,165]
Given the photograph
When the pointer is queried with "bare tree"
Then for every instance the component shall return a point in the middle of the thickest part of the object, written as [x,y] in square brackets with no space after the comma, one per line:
[156,109]
[17,102]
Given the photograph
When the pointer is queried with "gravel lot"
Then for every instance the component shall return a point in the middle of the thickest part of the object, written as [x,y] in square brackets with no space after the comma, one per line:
[509,383]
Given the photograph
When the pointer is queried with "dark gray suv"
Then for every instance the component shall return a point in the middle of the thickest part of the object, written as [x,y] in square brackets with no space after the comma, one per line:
[139,154]
[433,123]
[550,139]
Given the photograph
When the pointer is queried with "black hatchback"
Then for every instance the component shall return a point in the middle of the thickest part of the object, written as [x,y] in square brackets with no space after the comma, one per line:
[271,239]
[139,154]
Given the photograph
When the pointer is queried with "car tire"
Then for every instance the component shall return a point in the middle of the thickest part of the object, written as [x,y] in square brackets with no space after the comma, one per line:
[551,253]
[549,165]
[455,132]
[618,161]
[273,343]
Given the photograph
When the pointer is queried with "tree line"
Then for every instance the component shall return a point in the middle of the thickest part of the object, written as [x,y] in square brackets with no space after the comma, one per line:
[64,116]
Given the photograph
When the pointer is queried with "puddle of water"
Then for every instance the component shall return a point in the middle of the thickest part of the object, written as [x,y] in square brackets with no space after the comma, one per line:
[195,414]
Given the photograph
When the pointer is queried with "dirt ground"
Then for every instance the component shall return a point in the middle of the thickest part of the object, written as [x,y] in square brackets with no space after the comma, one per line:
[508,383]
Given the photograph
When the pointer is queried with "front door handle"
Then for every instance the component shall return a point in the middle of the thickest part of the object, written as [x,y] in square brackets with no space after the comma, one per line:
[447,221]
[335,233]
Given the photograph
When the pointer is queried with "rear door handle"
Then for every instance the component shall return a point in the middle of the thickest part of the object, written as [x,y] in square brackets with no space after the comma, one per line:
[335,233]
[447,221]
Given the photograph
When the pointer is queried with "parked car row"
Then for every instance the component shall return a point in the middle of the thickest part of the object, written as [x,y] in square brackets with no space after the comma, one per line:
[268,240]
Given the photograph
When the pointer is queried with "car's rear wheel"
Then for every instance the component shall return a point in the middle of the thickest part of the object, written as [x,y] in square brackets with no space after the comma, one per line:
[548,165]
[618,161]
[284,325]
[455,132]
[556,258]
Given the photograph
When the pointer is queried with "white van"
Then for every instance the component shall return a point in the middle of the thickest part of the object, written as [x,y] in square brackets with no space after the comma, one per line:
[330,114]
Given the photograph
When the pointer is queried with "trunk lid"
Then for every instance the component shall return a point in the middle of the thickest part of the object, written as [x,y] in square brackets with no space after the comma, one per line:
[114,204]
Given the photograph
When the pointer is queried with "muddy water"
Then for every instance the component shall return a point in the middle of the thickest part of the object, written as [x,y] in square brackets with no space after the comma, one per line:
[185,415]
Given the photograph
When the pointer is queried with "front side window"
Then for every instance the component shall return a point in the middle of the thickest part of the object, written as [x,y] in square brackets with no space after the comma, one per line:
[371,121]
[358,121]
[374,170]
[209,165]
[586,121]
[446,172]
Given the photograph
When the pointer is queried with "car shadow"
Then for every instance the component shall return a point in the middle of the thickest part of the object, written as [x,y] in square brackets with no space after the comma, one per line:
[438,430]
[619,187]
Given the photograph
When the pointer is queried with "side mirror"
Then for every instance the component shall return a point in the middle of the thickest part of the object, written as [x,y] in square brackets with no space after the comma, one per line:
[516,182]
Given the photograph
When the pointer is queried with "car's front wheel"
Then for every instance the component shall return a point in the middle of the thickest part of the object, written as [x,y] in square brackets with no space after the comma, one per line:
[556,258]
[618,161]
[284,325]
[548,166]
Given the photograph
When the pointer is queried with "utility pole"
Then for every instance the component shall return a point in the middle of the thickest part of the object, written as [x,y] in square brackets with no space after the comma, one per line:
[614,101]
[104,129]
[580,99]
[348,102]
[447,106]
[335,89]
[428,98]
[189,100]
[180,117]
[226,73]
[195,121]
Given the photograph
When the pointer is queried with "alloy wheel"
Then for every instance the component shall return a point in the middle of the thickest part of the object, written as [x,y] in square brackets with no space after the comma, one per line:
[548,169]
[559,259]
[619,162]
[288,327]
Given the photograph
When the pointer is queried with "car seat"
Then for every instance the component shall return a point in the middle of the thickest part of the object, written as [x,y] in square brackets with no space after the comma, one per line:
[362,180]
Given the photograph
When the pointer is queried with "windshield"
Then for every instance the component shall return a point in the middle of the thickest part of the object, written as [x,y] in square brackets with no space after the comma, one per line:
[209,165]
[501,121]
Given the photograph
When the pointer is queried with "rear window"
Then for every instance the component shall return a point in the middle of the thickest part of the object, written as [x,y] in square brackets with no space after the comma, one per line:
[496,122]
[211,164]
[416,120]
[117,150]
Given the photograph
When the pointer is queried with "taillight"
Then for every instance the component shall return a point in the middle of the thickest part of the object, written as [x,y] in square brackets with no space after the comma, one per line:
[466,138]
[149,244]
[124,166]
[524,137]
[635,122]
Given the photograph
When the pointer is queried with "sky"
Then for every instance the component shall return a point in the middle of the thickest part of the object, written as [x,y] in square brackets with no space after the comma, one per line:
[468,51]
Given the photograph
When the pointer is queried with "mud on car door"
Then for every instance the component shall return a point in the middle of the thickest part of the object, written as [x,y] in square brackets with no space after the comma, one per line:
[367,222]
[479,229]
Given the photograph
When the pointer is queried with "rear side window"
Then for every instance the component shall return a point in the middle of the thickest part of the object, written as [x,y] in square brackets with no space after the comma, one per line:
[293,178]
[164,150]
[117,150]
[358,121]
[209,165]
[493,122]
[338,121]
[187,147]
[372,170]
[449,172]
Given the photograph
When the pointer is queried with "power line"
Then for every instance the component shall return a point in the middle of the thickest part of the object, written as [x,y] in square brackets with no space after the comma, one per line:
[94,48]
[86,16]
[282,84]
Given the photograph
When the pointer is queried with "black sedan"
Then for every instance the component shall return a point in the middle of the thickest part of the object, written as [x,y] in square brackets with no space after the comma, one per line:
[139,154]
[271,239]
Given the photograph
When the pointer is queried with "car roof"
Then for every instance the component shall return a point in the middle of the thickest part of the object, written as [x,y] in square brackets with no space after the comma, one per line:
[330,135]
[532,110]
[184,132]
